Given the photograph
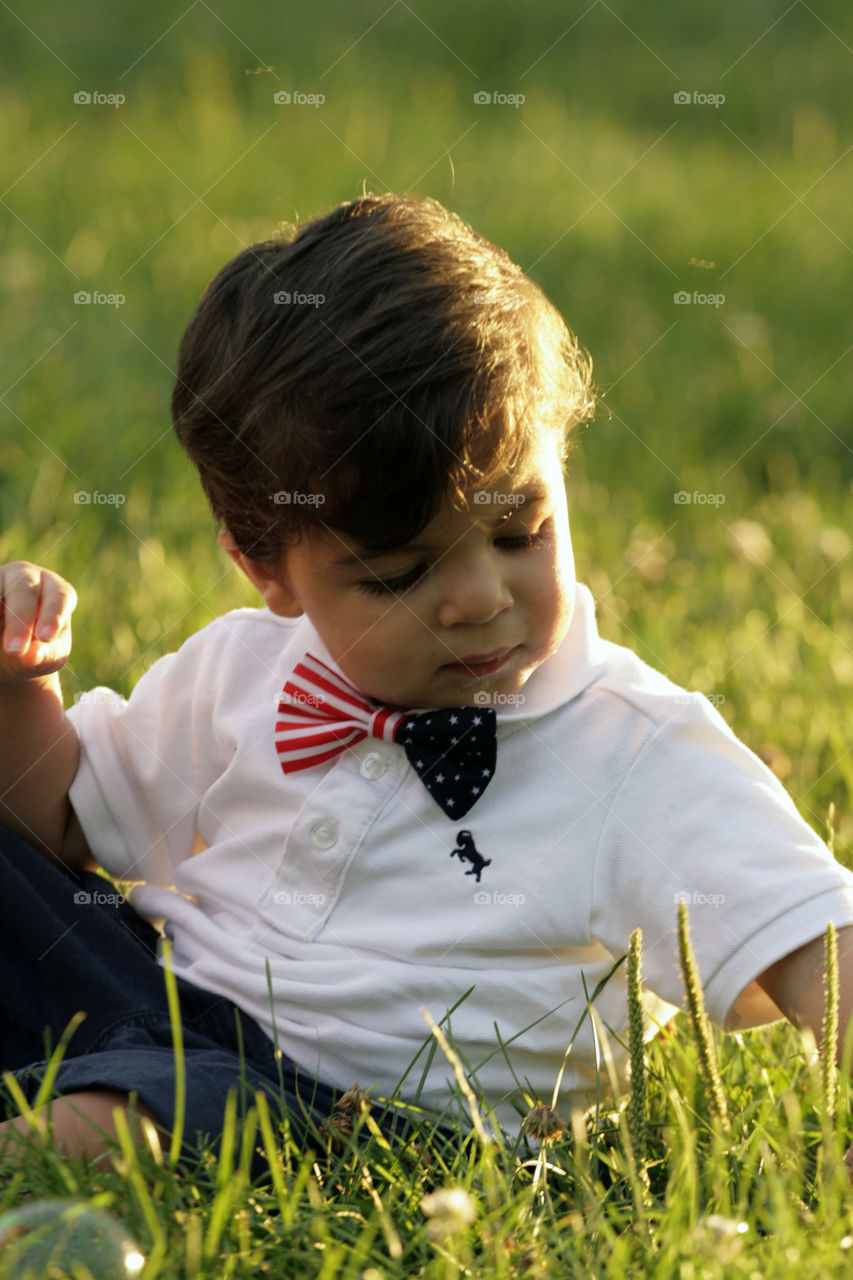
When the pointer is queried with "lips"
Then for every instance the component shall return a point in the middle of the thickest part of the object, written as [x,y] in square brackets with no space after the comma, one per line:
[482,664]
[475,659]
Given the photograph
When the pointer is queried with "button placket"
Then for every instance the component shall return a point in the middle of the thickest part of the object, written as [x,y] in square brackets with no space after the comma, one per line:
[323,840]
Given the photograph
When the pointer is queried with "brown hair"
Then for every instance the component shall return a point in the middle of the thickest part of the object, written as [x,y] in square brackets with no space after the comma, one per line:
[356,372]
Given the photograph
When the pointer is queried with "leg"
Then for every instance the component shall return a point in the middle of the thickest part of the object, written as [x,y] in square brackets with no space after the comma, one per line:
[82,1123]
[60,953]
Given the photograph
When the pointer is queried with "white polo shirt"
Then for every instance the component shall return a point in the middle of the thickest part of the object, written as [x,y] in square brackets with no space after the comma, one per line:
[615,794]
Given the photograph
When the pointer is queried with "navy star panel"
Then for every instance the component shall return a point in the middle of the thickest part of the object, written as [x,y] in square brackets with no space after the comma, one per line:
[453,751]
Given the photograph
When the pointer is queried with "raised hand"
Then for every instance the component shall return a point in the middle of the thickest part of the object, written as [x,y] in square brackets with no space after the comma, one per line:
[35,621]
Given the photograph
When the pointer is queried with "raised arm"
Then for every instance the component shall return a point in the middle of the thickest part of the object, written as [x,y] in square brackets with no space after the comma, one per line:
[38,744]
[795,984]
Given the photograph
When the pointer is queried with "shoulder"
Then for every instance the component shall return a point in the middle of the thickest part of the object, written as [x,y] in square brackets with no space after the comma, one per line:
[244,638]
[239,655]
[255,627]
[229,657]
[253,636]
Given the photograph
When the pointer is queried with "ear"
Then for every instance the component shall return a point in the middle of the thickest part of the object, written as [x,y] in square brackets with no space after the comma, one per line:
[271,583]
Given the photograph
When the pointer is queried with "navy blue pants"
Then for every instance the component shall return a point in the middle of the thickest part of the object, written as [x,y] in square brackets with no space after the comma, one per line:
[66,945]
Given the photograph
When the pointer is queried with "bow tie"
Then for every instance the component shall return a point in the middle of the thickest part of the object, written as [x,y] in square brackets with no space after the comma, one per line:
[453,750]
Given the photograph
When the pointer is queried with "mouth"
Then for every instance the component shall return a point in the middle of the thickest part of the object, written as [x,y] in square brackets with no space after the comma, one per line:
[481,664]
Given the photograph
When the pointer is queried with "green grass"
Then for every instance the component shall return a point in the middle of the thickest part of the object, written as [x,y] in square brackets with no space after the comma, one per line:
[750,601]
[758,1189]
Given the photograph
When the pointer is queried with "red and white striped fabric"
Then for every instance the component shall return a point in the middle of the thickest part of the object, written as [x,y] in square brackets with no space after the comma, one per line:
[320,714]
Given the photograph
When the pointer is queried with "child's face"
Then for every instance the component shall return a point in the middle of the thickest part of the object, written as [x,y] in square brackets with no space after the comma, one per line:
[412,627]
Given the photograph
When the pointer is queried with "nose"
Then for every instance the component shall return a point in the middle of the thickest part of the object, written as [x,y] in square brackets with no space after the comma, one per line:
[475,591]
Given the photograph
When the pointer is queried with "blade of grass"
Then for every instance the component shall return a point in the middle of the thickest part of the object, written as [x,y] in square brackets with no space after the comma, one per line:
[708,1067]
[178,1045]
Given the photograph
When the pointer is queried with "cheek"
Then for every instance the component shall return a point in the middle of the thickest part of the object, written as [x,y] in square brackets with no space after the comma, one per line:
[552,597]
[374,638]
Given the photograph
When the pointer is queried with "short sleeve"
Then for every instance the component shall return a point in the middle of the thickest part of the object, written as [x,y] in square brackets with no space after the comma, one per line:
[144,765]
[699,817]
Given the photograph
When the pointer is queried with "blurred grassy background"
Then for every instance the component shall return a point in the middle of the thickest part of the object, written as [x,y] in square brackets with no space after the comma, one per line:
[611,194]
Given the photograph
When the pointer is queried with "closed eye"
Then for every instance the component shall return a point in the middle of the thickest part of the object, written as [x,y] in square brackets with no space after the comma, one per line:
[521,541]
[397,586]
[393,586]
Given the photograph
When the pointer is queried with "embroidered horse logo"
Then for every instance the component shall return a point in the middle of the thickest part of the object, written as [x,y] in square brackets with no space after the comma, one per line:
[466,851]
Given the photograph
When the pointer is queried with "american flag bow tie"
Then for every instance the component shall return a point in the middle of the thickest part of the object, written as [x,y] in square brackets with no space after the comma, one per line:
[453,749]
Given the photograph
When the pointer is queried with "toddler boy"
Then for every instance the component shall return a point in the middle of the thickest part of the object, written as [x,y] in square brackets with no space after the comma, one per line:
[417,776]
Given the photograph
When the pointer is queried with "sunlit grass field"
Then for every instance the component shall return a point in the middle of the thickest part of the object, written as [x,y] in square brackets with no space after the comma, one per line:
[615,198]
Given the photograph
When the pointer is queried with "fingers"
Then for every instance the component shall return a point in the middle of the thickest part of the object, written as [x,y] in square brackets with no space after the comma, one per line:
[35,616]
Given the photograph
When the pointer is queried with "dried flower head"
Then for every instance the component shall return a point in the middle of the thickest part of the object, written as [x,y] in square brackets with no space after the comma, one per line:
[337,1128]
[354,1100]
[543,1123]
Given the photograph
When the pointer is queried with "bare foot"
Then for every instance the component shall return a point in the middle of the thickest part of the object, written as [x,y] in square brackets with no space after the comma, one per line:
[81,1124]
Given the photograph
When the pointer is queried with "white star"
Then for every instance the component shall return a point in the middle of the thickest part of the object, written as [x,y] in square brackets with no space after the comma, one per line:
[453,741]
[475,791]
[419,764]
[439,777]
[477,720]
[486,773]
[454,719]
[450,802]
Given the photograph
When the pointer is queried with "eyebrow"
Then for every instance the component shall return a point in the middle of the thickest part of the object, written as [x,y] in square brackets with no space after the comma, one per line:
[531,496]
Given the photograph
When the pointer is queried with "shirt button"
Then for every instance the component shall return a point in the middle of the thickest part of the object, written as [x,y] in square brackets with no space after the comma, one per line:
[372,766]
[324,834]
